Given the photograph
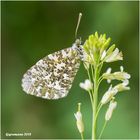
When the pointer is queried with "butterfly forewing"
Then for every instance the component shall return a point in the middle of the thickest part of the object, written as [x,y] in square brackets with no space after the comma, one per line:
[52,76]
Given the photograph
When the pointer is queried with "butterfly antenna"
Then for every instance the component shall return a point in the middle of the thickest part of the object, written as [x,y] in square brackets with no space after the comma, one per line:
[78,23]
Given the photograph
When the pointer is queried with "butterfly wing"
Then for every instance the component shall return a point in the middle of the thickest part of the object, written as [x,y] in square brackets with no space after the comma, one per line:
[52,76]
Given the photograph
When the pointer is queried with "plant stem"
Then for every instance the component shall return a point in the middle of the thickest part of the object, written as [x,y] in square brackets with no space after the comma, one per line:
[82,136]
[102,129]
[94,119]
[90,94]
[98,110]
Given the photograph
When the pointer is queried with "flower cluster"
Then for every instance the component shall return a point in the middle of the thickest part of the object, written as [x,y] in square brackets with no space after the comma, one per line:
[96,50]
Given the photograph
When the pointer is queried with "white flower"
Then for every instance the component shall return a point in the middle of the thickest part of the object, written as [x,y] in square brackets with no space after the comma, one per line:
[79,121]
[114,56]
[112,106]
[113,91]
[120,75]
[108,95]
[87,85]
[122,86]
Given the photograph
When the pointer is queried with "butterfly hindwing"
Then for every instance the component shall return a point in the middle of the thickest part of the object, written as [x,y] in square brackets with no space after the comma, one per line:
[52,76]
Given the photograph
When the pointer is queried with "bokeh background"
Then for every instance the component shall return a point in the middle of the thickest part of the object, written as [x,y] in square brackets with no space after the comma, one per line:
[32,30]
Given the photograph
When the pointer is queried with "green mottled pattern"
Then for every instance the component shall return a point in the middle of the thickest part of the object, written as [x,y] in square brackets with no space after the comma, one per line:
[52,76]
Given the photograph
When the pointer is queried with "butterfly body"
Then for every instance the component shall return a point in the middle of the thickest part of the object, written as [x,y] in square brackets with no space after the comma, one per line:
[52,76]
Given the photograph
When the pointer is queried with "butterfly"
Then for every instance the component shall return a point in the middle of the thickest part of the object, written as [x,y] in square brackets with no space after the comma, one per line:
[52,76]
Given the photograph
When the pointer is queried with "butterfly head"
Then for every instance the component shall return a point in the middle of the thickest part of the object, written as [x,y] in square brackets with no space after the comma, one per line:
[78,47]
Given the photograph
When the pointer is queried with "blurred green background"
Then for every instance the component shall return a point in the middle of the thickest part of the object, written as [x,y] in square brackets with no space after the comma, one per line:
[31,30]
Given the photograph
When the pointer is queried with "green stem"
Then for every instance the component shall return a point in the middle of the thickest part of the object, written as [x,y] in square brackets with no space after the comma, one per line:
[90,94]
[94,120]
[102,129]
[82,136]
[91,98]
[94,76]
[89,75]
[98,110]
[92,71]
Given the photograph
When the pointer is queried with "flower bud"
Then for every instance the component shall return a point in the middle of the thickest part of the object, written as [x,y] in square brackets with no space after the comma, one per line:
[95,47]
[79,121]
[112,106]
